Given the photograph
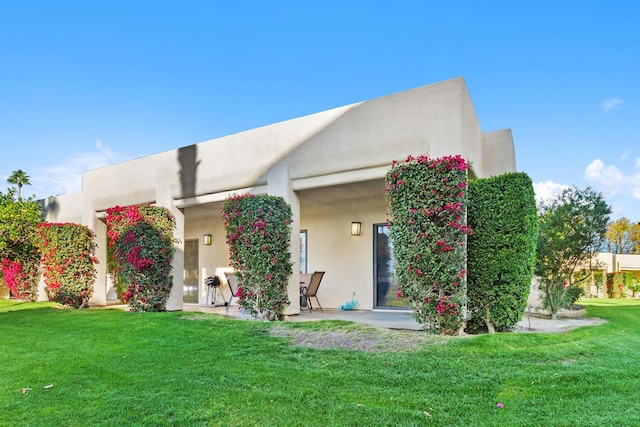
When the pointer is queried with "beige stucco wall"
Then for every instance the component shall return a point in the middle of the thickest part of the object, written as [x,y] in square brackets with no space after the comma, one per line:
[211,257]
[346,259]
[627,262]
[498,153]
[611,263]
[64,208]
[348,263]
[437,120]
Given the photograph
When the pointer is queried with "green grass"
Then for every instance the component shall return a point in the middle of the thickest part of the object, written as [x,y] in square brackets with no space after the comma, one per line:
[110,367]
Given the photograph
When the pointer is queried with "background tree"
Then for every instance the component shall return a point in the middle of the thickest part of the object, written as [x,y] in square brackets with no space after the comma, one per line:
[623,237]
[572,228]
[19,178]
[635,236]
[18,251]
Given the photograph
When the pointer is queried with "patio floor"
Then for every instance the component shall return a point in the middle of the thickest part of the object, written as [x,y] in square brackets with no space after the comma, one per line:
[389,319]
[397,319]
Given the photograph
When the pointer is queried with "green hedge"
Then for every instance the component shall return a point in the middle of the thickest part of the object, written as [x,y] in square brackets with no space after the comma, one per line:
[502,248]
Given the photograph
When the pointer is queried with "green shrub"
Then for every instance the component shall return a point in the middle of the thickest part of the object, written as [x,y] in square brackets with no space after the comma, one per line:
[68,258]
[598,279]
[142,242]
[573,294]
[502,249]
[258,229]
[617,283]
[428,203]
[634,286]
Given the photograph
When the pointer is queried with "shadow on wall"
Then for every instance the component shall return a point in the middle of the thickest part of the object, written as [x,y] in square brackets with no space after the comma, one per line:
[50,207]
[187,158]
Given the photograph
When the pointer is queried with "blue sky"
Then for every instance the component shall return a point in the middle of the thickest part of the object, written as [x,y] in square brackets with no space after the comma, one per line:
[85,84]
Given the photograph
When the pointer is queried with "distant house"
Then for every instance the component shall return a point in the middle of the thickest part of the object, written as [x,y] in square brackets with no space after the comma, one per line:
[594,285]
[329,166]
[612,263]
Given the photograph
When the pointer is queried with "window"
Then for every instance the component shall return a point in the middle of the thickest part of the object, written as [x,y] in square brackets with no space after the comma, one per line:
[303,251]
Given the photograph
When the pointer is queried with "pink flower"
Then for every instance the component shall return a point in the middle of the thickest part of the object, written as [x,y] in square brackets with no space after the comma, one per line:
[500,405]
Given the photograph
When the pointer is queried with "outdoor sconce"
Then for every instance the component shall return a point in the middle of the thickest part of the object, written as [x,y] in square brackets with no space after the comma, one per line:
[206,239]
[355,228]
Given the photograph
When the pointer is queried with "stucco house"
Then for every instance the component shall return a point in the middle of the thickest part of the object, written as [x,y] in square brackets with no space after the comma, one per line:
[329,166]
[607,262]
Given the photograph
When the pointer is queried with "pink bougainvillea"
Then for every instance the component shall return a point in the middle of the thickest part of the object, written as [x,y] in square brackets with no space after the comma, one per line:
[18,279]
[68,257]
[141,240]
[258,234]
[427,203]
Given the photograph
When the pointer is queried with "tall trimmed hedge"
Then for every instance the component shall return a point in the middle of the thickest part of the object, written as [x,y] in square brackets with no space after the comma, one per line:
[502,249]
[427,207]
[258,229]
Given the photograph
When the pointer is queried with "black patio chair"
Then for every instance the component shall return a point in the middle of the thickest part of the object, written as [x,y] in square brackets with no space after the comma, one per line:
[232,281]
[311,291]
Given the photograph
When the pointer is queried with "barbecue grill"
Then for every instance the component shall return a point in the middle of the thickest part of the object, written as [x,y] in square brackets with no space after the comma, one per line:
[213,289]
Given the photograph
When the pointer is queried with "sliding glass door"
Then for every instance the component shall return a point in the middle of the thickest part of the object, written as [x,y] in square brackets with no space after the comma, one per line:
[191,271]
[385,288]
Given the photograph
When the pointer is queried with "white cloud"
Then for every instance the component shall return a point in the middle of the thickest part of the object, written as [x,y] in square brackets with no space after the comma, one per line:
[619,210]
[546,190]
[625,155]
[611,104]
[66,177]
[612,181]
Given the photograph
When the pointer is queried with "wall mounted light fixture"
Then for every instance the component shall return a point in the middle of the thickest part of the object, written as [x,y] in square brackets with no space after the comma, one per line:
[206,239]
[356,227]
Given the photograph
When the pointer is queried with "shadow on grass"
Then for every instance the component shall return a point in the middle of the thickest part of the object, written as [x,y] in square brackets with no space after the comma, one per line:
[13,305]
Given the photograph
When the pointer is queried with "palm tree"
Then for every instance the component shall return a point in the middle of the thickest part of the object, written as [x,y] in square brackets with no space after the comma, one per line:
[19,178]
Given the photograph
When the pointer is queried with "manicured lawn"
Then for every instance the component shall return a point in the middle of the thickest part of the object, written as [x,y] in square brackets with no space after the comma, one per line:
[109,367]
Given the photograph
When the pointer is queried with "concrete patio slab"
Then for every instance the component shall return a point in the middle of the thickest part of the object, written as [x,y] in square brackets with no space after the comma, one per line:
[400,319]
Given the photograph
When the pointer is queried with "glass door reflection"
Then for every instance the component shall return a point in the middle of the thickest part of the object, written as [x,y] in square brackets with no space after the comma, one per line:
[386,289]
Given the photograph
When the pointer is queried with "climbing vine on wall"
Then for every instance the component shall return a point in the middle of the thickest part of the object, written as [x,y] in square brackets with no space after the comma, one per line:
[427,207]
[68,257]
[142,241]
[258,229]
